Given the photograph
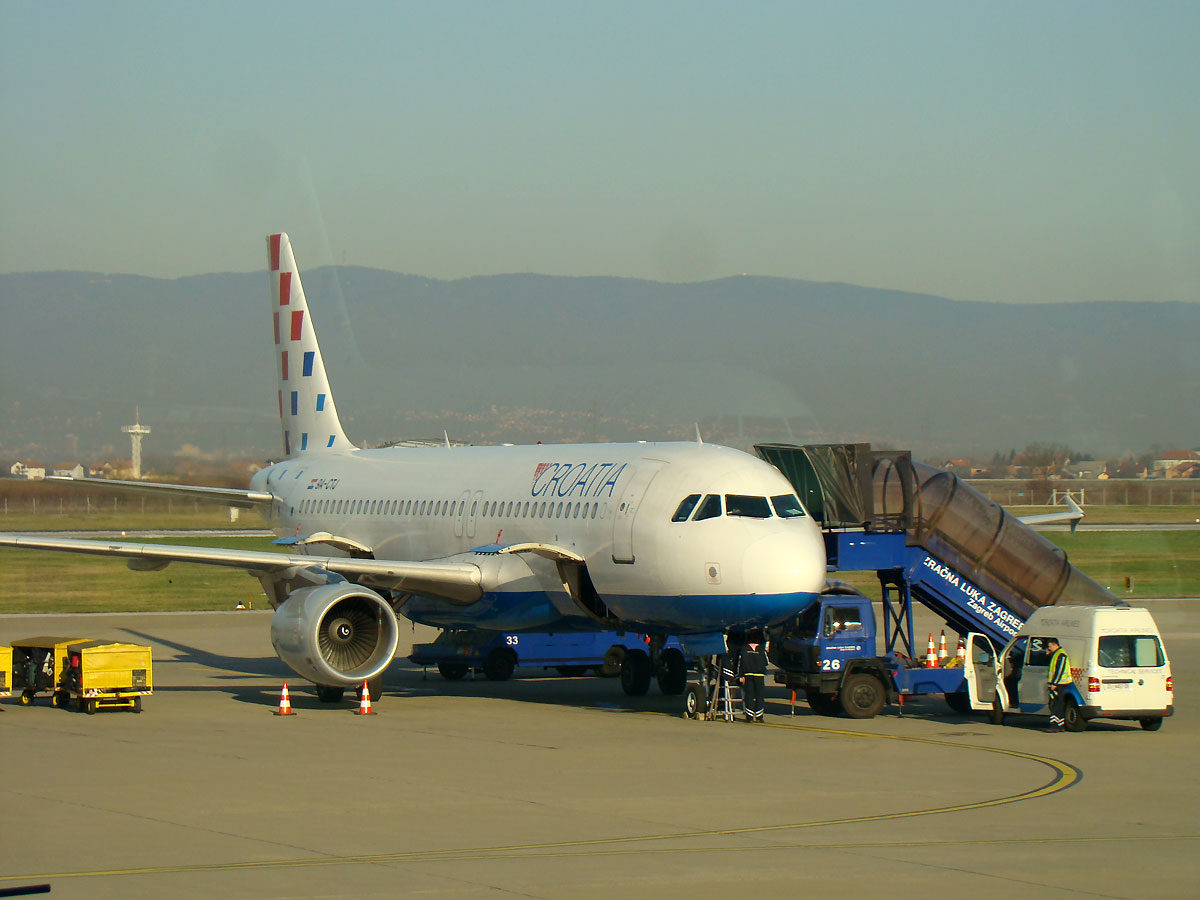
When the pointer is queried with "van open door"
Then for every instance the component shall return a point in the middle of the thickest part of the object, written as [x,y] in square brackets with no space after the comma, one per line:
[985,689]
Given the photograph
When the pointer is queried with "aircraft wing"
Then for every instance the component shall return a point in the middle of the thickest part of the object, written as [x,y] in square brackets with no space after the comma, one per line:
[457,583]
[242,499]
[1073,513]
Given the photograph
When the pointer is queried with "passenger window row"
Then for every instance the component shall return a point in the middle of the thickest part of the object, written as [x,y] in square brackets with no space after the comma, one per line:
[785,506]
[450,508]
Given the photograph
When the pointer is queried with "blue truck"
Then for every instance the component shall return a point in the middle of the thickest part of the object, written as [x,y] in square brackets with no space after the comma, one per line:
[930,539]
[497,655]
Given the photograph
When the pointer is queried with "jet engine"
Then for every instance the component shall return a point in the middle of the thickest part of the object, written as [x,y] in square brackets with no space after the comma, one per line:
[335,634]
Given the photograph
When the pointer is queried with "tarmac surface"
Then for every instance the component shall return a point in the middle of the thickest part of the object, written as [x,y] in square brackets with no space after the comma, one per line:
[546,786]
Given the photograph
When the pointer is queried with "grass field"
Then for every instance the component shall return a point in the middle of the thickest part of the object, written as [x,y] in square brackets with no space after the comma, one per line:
[1159,563]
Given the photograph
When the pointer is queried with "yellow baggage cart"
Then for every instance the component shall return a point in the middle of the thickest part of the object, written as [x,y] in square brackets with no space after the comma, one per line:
[5,671]
[103,674]
[38,666]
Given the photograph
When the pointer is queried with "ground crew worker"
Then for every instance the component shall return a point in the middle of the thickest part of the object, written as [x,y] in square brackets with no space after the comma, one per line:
[1058,676]
[752,668]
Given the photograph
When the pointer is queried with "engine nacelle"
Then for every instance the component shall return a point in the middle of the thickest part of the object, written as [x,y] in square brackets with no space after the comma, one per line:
[335,634]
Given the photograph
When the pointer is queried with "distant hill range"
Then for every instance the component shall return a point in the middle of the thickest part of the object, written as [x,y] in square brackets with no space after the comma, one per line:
[779,359]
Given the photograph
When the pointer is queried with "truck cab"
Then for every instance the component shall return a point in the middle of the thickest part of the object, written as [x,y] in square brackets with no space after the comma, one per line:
[828,635]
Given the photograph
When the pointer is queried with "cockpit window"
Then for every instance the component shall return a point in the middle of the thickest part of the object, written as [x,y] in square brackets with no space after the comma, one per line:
[750,507]
[709,509]
[787,506]
[685,508]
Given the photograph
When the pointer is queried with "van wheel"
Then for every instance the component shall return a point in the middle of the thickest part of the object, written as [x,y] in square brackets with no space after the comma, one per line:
[997,714]
[1151,723]
[1071,716]
[862,696]
[696,701]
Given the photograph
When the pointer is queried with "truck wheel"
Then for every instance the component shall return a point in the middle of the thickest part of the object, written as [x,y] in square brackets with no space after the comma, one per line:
[137,704]
[612,661]
[452,671]
[862,696]
[1074,721]
[59,698]
[672,673]
[635,673]
[959,702]
[997,714]
[26,698]
[695,702]
[1151,723]
[89,707]
[330,693]
[822,704]
[499,665]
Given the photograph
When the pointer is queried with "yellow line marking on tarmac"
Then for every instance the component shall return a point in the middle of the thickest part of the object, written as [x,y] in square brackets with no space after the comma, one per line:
[1065,776]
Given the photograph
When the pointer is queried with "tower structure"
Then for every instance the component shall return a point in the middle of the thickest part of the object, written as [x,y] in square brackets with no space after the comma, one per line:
[136,432]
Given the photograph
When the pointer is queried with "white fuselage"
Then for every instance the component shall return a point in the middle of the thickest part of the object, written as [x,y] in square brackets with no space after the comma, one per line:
[611,504]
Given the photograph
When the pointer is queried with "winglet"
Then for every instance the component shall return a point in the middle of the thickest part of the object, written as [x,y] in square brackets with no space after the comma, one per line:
[306,408]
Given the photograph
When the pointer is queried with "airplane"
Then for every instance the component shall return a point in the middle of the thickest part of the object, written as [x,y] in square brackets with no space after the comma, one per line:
[659,539]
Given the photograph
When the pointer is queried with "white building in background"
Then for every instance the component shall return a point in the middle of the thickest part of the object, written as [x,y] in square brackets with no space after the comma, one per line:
[28,468]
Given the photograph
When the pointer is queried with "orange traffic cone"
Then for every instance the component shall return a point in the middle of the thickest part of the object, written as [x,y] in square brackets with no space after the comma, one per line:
[941,657]
[961,652]
[364,703]
[285,703]
[930,654]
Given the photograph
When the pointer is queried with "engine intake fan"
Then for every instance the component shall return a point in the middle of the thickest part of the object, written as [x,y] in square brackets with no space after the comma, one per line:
[335,634]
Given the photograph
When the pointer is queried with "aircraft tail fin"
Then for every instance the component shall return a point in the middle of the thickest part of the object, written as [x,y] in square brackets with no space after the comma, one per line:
[306,408]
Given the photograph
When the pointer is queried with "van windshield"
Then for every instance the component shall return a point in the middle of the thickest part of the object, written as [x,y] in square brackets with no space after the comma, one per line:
[1130,651]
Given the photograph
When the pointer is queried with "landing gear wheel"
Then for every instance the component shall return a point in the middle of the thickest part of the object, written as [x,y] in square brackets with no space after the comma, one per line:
[1151,723]
[822,704]
[997,715]
[570,671]
[1072,718]
[959,702]
[635,673]
[695,701]
[452,671]
[26,698]
[672,672]
[499,665]
[862,696]
[330,693]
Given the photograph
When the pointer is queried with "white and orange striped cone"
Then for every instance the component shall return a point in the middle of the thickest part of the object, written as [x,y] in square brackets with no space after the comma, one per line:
[941,657]
[930,654]
[364,702]
[285,703]
[961,653]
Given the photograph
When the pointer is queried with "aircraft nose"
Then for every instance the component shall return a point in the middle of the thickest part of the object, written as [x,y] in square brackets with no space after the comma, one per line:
[786,562]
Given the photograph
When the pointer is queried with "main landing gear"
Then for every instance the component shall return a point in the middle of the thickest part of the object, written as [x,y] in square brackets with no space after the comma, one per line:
[666,664]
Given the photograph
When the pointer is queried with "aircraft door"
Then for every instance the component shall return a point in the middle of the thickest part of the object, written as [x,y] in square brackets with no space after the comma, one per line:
[472,511]
[982,671]
[460,518]
[627,507]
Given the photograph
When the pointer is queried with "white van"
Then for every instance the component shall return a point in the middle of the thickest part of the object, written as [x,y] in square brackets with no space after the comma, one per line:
[1118,666]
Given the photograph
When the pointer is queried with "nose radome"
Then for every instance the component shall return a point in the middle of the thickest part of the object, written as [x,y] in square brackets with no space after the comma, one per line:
[786,562]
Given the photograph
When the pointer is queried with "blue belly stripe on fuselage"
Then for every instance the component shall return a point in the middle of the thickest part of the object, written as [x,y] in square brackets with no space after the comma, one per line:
[536,611]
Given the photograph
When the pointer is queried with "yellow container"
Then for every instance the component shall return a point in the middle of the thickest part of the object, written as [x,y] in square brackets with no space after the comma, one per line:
[103,674]
[38,664]
[6,680]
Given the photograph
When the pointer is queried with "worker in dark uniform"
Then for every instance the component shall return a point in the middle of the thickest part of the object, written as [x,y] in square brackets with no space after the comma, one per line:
[752,671]
[1058,677]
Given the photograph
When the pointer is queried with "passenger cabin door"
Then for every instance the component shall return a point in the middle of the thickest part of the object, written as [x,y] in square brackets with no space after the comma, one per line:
[627,507]
[982,672]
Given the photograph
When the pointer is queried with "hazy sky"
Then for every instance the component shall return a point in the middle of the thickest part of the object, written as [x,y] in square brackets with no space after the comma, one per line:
[982,151]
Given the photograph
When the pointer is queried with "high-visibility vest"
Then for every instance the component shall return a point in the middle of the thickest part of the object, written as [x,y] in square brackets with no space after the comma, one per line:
[1060,668]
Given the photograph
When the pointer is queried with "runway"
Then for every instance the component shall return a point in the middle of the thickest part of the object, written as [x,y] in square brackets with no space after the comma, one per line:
[557,787]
